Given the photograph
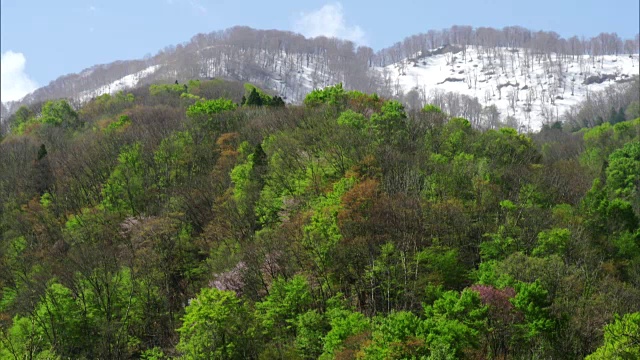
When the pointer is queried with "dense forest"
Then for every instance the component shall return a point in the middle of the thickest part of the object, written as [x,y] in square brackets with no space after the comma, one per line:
[209,220]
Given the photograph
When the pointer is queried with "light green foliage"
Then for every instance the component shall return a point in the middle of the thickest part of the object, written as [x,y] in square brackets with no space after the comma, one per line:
[489,274]
[500,244]
[213,326]
[124,191]
[353,119]
[623,172]
[604,139]
[621,339]
[454,166]
[322,233]
[453,176]
[455,320]
[506,147]
[85,226]
[332,95]
[394,337]
[190,98]
[155,353]
[207,108]
[554,241]
[122,123]
[166,89]
[390,124]
[344,323]
[24,340]
[111,304]
[458,135]
[291,173]
[337,98]
[310,328]
[22,116]
[241,177]
[441,265]
[54,112]
[532,300]
[279,311]
[386,273]
[269,203]
[59,317]
[103,305]
[58,113]
[430,108]
[174,159]
[628,245]
[614,206]
[107,105]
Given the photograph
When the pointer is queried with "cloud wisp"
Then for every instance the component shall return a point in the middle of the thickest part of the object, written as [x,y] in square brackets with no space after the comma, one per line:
[195,5]
[329,21]
[14,83]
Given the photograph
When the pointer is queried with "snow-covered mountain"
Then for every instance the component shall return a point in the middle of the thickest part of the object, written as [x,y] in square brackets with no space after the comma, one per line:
[512,75]
[531,88]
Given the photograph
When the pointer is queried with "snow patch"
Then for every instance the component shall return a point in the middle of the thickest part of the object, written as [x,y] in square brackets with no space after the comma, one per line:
[126,82]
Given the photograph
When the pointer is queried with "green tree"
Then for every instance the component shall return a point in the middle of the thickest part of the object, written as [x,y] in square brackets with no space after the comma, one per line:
[209,107]
[125,190]
[311,327]
[59,113]
[621,339]
[22,116]
[279,311]
[395,337]
[214,327]
[390,124]
[456,320]
[344,323]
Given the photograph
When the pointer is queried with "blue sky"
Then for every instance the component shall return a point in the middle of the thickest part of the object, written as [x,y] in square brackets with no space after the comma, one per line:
[44,39]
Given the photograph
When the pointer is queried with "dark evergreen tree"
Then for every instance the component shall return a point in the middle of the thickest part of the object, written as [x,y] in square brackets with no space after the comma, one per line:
[42,152]
[254,98]
[276,101]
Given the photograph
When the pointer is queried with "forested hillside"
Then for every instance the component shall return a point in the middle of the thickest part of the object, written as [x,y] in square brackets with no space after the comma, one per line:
[209,220]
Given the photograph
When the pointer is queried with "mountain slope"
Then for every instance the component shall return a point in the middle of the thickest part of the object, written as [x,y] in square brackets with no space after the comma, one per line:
[532,88]
[530,77]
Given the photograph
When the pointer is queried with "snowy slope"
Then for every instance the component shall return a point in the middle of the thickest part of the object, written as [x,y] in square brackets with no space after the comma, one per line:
[290,77]
[533,89]
[125,82]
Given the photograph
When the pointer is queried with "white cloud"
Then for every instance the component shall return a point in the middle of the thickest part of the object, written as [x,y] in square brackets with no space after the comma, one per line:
[329,21]
[194,4]
[15,83]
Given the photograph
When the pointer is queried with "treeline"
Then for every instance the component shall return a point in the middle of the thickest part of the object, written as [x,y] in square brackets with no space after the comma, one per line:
[172,222]
[616,103]
[539,42]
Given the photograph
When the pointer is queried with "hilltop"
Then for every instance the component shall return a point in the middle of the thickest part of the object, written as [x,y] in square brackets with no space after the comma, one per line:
[484,65]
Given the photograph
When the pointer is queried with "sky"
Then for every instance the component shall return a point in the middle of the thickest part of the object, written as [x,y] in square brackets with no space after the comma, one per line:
[41,40]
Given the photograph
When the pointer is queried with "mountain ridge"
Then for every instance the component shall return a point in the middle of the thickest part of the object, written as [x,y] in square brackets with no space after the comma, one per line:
[292,65]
